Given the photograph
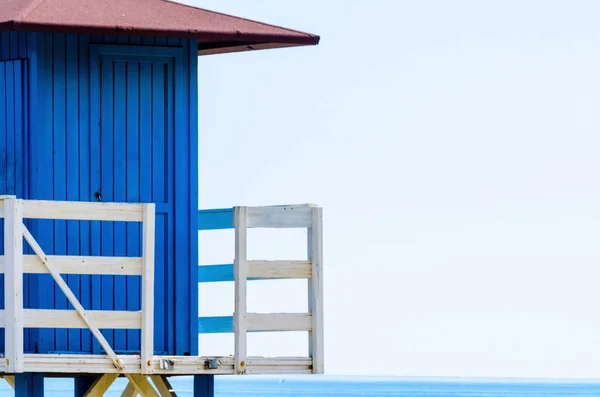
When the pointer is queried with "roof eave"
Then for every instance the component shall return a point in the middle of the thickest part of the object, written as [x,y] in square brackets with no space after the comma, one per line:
[209,43]
[243,47]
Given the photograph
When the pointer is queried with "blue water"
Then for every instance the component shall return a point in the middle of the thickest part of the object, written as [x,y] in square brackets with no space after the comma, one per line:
[321,386]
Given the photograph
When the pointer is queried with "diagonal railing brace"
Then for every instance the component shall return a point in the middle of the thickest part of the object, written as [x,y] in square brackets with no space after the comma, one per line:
[72,298]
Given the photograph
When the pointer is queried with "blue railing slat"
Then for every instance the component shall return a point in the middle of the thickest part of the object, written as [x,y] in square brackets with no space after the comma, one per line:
[215,325]
[215,219]
[215,273]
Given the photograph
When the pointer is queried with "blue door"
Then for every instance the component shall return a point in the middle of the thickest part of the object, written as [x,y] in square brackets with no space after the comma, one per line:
[134,152]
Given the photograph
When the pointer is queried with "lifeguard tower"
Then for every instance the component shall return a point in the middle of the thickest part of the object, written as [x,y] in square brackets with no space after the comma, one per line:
[99,205]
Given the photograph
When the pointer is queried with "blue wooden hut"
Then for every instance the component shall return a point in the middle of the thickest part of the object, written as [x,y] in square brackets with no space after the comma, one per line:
[98,104]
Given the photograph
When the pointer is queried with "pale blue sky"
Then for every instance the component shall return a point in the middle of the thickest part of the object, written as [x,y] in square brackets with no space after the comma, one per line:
[454,149]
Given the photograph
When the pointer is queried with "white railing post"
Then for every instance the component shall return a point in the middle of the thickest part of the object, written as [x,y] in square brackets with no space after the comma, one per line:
[315,290]
[147,350]
[13,284]
[240,271]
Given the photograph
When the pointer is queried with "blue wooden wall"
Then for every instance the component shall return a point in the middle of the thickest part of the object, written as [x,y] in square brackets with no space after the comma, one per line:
[95,124]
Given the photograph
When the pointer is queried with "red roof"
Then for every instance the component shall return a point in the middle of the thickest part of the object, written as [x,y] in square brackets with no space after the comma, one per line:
[215,32]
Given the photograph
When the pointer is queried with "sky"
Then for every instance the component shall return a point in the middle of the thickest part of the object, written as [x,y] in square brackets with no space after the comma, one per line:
[454,149]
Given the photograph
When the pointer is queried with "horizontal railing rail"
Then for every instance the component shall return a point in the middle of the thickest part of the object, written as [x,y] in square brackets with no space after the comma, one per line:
[14,264]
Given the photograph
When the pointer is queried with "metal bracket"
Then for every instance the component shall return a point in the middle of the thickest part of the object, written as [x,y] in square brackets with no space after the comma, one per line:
[212,363]
[167,365]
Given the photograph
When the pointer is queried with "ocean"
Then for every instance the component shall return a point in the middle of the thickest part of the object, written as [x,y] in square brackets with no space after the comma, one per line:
[322,386]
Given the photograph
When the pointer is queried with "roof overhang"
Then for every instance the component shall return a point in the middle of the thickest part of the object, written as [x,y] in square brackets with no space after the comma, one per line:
[216,33]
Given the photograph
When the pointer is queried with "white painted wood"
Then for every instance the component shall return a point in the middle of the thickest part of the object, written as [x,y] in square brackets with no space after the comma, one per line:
[142,385]
[315,290]
[130,391]
[279,269]
[163,386]
[279,365]
[292,216]
[70,264]
[240,273]
[101,385]
[79,363]
[147,349]
[38,318]
[189,365]
[184,365]
[73,210]
[13,283]
[2,199]
[279,321]
[71,297]
[2,319]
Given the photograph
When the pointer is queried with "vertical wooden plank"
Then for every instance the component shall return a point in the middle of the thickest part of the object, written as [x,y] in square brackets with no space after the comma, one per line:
[13,283]
[3,130]
[315,290]
[42,180]
[85,189]
[240,273]
[107,183]
[21,120]
[120,131]
[170,190]
[72,170]
[10,127]
[60,168]
[96,148]
[19,123]
[160,194]
[182,200]
[31,97]
[133,190]
[147,349]
[193,187]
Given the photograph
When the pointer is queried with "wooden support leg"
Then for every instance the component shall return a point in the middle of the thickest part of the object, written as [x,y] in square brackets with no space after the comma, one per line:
[130,391]
[29,385]
[142,385]
[101,385]
[83,384]
[204,386]
[163,386]
[10,379]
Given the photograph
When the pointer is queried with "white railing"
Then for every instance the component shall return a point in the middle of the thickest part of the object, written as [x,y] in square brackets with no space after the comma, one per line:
[14,318]
[242,322]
